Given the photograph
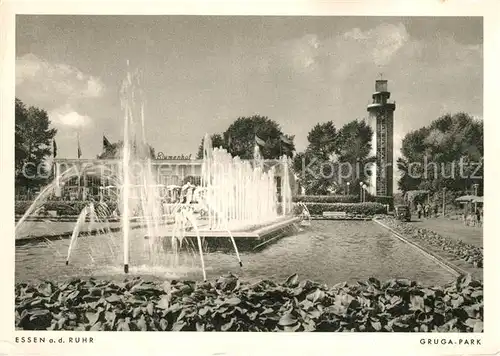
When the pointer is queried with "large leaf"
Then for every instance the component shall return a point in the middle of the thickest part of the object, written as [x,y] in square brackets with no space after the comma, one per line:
[113,299]
[93,317]
[233,301]
[45,289]
[287,320]
[164,302]
[227,326]
[417,303]
[376,325]
[178,326]
[292,281]
[163,324]
[316,296]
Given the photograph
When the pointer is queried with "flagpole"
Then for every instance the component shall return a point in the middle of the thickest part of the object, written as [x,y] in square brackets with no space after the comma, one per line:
[80,195]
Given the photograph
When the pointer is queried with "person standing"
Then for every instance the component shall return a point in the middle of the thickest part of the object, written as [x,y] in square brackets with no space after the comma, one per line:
[419,210]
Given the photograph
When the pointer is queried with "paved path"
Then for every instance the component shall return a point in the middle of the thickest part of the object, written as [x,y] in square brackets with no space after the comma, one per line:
[454,229]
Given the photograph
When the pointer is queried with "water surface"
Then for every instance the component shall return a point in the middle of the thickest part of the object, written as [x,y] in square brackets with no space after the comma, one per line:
[327,252]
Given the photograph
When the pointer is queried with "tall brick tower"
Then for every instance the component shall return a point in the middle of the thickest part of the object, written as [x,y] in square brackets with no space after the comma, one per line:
[382,122]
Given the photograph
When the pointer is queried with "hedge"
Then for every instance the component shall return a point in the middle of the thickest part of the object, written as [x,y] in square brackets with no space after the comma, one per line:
[468,253]
[62,207]
[229,304]
[349,208]
[326,198]
[385,200]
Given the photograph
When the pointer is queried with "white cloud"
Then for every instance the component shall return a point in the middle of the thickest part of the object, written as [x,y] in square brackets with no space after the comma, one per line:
[58,88]
[56,79]
[67,117]
[381,42]
[300,53]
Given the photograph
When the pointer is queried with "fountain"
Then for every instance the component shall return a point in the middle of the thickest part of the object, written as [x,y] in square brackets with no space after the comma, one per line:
[235,196]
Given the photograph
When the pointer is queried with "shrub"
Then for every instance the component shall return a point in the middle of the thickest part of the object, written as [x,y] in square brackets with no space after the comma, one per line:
[384,200]
[349,208]
[228,304]
[63,208]
[326,198]
[21,206]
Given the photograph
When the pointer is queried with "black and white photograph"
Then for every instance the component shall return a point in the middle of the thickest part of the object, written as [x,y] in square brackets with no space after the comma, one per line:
[251,173]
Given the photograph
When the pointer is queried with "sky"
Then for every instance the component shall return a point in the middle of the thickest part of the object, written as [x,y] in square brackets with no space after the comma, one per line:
[200,73]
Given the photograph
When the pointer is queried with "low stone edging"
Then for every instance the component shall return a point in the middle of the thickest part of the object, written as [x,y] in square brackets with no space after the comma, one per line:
[66,235]
[466,252]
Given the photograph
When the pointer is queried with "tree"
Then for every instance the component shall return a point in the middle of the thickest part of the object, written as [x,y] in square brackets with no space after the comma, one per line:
[354,145]
[20,123]
[448,153]
[334,158]
[114,151]
[217,141]
[239,138]
[33,144]
[354,142]
[322,140]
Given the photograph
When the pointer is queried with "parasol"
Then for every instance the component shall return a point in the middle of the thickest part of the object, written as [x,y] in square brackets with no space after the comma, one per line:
[466,198]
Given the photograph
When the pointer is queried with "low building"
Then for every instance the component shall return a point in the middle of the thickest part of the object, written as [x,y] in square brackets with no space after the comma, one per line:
[81,179]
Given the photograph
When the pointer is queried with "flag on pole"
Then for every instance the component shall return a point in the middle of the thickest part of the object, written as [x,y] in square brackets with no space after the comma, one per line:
[229,140]
[79,153]
[54,148]
[286,140]
[259,141]
[105,142]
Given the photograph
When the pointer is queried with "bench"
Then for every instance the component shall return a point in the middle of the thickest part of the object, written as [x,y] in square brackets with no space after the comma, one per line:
[334,214]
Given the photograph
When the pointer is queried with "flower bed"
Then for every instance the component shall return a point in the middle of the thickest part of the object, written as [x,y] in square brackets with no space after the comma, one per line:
[469,253]
[229,304]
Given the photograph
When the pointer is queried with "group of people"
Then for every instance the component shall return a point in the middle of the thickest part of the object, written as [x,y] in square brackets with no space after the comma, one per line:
[427,210]
[473,217]
[470,217]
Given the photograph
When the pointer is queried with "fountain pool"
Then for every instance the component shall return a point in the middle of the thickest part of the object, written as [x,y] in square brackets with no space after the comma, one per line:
[327,251]
[234,195]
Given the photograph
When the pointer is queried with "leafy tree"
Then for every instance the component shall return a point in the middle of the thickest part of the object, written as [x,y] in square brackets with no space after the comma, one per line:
[322,140]
[354,141]
[448,153]
[114,151]
[217,141]
[239,138]
[334,158]
[354,144]
[20,123]
[33,144]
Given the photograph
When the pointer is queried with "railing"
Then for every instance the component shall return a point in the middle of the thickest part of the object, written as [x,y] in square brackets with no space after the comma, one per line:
[373,103]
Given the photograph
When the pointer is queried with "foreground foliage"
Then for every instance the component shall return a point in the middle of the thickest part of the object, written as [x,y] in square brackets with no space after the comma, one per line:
[461,250]
[229,304]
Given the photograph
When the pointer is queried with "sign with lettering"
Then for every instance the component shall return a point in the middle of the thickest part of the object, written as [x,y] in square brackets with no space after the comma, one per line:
[160,155]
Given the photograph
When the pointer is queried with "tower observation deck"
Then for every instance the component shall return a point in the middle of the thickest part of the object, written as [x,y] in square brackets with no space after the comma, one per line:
[381,112]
